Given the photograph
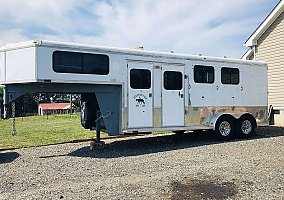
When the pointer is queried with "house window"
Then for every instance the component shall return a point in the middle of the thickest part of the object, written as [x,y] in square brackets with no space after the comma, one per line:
[203,74]
[172,80]
[80,63]
[140,79]
[230,76]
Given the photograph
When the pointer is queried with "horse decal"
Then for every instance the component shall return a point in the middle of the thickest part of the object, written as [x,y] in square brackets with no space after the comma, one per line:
[140,100]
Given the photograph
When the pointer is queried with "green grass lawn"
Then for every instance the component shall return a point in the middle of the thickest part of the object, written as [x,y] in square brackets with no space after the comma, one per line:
[40,130]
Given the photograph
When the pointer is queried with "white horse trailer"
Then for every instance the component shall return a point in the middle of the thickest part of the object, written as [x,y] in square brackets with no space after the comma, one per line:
[142,91]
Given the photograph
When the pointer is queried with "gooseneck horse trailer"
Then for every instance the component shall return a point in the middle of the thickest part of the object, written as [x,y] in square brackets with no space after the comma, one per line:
[142,91]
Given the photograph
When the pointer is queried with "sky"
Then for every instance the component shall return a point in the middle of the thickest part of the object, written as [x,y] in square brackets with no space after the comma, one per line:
[213,28]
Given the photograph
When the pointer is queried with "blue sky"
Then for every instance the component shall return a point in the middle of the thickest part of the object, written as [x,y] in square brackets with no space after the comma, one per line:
[215,28]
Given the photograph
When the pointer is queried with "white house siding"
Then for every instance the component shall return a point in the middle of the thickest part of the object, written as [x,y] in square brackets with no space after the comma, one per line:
[270,48]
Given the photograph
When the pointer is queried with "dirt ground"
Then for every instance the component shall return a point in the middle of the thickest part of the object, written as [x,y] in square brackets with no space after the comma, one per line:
[186,166]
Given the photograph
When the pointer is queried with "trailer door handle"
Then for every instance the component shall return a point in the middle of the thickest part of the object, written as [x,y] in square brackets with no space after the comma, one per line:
[150,95]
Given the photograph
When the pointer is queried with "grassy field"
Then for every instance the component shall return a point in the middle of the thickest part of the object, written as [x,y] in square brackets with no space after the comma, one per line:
[40,130]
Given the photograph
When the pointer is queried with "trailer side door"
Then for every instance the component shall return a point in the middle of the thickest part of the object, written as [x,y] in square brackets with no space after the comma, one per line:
[173,95]
[140,95]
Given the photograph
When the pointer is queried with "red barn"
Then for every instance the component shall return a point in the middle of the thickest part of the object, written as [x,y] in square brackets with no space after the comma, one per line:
[54,108]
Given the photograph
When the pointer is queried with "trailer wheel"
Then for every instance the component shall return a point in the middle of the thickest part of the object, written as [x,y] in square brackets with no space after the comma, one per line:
[225,128]
[246,126]
[87,119]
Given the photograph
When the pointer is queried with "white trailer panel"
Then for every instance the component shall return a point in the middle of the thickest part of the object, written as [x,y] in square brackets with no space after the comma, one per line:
[2,66]
[258,77]
[45,70]
[21,65]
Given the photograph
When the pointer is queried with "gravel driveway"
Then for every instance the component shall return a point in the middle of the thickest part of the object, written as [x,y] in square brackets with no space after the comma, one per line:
[187,166]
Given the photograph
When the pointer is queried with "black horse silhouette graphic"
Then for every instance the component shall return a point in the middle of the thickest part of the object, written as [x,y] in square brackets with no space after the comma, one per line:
[140,101]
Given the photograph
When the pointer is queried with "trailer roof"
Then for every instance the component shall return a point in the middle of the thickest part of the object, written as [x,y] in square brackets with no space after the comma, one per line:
[135,52]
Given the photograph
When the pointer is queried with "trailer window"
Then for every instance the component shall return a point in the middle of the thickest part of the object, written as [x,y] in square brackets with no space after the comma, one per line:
[230,75]
[80,63]
[172,80]
[203,74]
[140,79]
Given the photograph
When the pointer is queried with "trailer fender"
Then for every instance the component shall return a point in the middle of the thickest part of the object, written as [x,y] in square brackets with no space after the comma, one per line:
[212,120]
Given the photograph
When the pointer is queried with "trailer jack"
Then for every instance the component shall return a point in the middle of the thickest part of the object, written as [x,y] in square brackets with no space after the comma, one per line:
[14,131]
[97,143]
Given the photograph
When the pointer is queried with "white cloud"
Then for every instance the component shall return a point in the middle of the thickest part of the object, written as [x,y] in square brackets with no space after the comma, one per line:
[12,35]
[209,27]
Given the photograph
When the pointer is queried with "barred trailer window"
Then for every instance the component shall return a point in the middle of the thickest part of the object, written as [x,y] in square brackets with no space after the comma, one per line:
[230,76]
[80,63]
[203,74]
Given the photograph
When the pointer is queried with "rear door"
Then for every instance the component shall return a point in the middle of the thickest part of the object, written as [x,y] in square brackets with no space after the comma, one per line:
[173,95]
[140,93]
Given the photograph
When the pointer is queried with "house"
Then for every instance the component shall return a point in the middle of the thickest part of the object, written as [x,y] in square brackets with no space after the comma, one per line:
[55,108]
[267,44]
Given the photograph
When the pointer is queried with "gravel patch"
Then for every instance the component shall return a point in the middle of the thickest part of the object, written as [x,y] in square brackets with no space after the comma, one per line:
[186,166]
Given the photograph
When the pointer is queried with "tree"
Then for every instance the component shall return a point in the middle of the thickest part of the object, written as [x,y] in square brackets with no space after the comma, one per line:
[1,91]
[26,104]
[1,95]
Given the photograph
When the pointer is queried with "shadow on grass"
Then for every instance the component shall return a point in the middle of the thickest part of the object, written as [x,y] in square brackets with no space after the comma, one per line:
[8,157]
[160,143]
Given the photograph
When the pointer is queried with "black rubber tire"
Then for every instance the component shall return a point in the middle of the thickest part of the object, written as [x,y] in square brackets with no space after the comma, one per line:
[87,119]
[223,122]
[246,126]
